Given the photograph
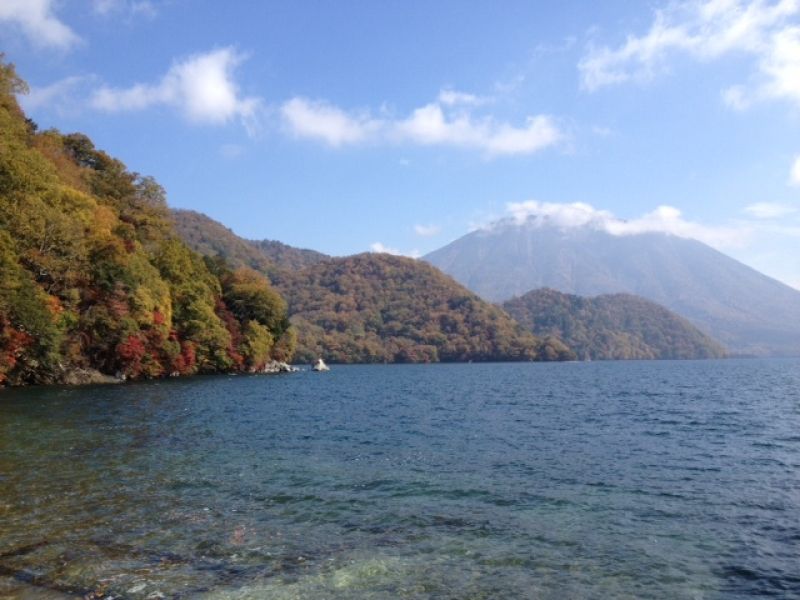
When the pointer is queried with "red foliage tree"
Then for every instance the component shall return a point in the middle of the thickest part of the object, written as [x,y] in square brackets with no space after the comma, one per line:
[130,353]
[13,343]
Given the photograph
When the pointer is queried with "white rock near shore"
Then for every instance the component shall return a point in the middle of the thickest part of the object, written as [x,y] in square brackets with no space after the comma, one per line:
[320,366]
[277,366]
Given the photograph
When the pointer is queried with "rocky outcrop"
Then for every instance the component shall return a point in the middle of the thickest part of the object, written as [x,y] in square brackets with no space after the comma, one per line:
[87,377]
[277,366]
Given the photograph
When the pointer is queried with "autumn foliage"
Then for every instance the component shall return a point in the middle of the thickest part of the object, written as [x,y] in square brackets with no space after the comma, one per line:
[380,308]
[93,276]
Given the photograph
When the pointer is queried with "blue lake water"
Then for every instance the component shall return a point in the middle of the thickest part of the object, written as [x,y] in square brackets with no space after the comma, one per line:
[579,480]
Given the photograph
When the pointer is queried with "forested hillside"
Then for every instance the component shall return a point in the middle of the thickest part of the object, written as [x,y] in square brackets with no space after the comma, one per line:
[210,238]
[95,278]
[381,308]
[612,326]
[374,307]
[289,257]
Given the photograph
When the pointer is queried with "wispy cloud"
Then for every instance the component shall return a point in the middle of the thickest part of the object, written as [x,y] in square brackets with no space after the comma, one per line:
[63,96]
[38,22]
[449,121]
[430,125]
[427,230]
[707,30]
[770,210]
[576,214]
[451,97]
[327,123]
[130,8]
[201,87]
[736,97]
[761,240]
[378,247]
[664,219]
[794,174]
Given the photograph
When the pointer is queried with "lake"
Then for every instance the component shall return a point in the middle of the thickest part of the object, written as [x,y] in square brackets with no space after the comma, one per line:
[576,480]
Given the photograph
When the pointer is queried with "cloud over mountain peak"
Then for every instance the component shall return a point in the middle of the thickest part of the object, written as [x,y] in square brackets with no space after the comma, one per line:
[664,219]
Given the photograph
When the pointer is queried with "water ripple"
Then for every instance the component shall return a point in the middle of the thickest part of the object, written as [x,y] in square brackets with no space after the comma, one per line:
[601,480]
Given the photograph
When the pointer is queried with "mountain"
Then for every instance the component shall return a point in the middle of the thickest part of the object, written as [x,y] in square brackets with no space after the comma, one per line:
[211,238]
[380,308]
[611,327]
[745,310]
[374,307]
[94,280]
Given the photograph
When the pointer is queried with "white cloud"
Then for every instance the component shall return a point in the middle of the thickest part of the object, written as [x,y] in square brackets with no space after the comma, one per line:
[450,97]
[104,7]
[449,123]
[769,244]
[736,97]
[769,210]
[781,66]
[131,8]
[794,174]
[427,230]
[707,30]
[202,87]
[429,125]
[577,214]
[508,86]
[327,123]
[668,219]
[60,95]
[381,249]
[664,219]
[38,22]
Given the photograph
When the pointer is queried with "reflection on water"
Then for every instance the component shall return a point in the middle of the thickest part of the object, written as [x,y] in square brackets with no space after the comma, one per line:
[615,480]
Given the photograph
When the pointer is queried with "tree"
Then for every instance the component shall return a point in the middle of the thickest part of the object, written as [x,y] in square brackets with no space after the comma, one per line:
[93,275]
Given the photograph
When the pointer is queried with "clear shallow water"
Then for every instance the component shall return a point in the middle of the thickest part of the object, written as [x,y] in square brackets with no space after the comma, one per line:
[581,480]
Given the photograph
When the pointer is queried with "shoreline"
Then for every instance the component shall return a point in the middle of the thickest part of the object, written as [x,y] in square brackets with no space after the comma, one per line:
[92,377]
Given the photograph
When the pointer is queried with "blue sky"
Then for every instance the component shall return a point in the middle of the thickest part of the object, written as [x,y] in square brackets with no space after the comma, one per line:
[350,126]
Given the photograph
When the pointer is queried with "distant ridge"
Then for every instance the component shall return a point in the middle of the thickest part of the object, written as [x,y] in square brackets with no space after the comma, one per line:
[212,238]
[745,310]
[382,308]
[612,326]
[289,257]
[374,307]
